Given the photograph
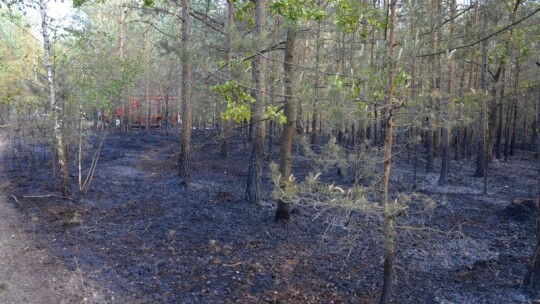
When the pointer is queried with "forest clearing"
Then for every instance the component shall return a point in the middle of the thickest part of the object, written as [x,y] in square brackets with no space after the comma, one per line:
[270,151]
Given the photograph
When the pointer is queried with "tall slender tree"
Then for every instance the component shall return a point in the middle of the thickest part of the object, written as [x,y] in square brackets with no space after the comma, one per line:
[446,130]
[253,187]
[55,104]
[225,133]
[185,140]
[282,211]
[531,282]
[481,143]
[389,229]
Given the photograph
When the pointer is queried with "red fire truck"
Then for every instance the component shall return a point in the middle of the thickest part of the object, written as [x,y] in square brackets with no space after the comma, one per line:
[141,111]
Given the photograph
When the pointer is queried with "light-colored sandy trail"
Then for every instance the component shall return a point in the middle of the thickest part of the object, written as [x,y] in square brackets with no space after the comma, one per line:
[28,274]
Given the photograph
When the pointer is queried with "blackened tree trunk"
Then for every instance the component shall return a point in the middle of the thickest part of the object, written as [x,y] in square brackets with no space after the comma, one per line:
[445,157]
[65,185]
[430,167]
[282,212]
[457,155]
[480,153]
[507,129]
[498,137]
[515,109]
[459,128]
[185,141]
[253,187]
[491,123]
[465,142]
[531,282]
[495,134]
[166,112]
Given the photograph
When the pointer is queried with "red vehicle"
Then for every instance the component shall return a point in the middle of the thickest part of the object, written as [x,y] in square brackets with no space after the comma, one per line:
[148,110]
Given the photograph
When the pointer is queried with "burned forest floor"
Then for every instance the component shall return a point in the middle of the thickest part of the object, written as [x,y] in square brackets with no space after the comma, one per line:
[140,235]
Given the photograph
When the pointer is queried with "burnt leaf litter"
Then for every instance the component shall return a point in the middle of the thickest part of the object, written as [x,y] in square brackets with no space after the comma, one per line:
[144,237]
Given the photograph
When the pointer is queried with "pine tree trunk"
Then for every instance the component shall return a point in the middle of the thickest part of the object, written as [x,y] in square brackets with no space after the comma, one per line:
[225,133]
[481,153]
[375,129]
[185,141]
[465,142]
[492,122]
[166,120]
[122,55]
[498,137]
[457,155]
[270,135]
[430,167]
[65,185]
[149,101]
[508,123]
[253,187]
[446,133]
[531,282]
[389,229]
[534,128]
[524,129]
[445,157]
[282,212]
[431,137]
[515,109]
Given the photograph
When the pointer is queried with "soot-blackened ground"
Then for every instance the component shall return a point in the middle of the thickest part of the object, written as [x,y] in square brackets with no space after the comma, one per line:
[141,236]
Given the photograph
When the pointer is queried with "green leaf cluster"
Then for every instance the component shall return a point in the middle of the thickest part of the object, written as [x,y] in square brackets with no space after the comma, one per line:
[401,78]
[274,112]
[350,14]
[336,82]
[238,101]
[244,12]
[297,10]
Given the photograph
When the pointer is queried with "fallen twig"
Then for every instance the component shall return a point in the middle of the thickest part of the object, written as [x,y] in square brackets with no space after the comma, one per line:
[46,195]
[233,265]
[15,198]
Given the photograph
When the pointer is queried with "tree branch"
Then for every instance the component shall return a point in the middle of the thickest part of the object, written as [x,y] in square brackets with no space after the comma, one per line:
[251,88]
[448,20]
[504,29]
[153,10]
[152,25]
[272,48]
[204,18]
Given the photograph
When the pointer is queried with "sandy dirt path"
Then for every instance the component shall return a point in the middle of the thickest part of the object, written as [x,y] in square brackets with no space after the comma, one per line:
[29,274]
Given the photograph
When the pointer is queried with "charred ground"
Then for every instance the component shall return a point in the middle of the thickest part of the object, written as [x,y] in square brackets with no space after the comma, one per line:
[142,237]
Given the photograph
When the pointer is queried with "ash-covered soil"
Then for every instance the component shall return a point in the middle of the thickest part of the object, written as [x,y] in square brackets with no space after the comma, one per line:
[142,236]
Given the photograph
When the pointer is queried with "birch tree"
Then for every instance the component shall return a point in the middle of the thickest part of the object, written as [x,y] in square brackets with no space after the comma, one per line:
[56,108]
